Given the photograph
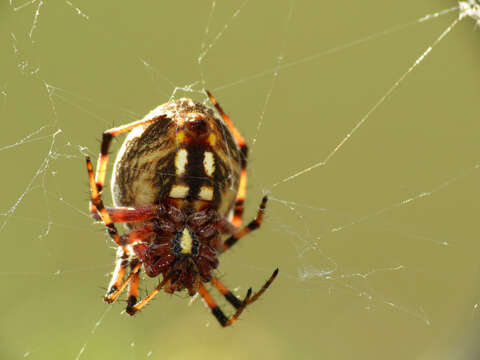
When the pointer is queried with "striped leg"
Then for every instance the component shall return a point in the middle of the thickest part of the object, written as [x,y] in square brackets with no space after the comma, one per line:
[239,201]
[122,214]
[117,284]
[264,287]
[133,291]
[242,187]
[111,297]
[96,199]
[232,299]
[107,137]
[131,310]
[252,225]
[118,274]
[217,312]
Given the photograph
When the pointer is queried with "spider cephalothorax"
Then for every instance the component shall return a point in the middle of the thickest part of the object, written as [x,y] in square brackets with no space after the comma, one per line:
[178,178]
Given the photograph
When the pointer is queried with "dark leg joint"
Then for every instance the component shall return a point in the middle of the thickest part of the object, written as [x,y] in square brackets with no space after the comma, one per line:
[132,300]
[232,299]
[264,202]
[253,225]
[109,293]
[222,319]
[230,242]
[111,230]
[106,139]
[131,310]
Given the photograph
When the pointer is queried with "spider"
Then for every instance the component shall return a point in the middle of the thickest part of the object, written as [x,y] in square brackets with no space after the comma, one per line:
[178,177]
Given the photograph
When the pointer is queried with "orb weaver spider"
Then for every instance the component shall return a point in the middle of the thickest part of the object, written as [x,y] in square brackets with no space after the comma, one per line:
[178,177]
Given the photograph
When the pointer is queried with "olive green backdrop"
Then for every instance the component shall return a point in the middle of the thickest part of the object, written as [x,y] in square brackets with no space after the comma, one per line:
[378,250]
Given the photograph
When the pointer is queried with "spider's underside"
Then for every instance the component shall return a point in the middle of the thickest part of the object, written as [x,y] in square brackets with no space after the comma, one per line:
[178,178]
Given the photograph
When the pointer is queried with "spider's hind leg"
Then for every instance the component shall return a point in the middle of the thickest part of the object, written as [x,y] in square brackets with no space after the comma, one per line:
[242,186]
[252,225]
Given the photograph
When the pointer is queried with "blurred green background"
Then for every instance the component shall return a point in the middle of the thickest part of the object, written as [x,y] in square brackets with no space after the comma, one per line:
[365,273]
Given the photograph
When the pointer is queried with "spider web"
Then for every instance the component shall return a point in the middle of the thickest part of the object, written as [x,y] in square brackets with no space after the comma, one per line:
[362,126]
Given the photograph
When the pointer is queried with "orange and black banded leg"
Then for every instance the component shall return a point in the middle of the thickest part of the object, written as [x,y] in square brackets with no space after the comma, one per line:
[217,312]
[222,289]
[232,299]
[111,297]
[133,291]
[98,203]
[240,199]
[242,186]
[144,213]
[264,287]
[107,137]
[118,274]
[252,225]
[132,309]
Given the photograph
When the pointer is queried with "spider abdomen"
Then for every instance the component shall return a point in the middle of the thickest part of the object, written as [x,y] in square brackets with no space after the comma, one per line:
[186,154]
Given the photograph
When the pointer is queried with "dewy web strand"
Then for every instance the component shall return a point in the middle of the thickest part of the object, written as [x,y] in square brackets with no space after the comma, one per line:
[377,104]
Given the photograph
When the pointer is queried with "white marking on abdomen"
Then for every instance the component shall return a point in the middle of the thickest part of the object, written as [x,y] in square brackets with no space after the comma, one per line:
[206,193]
[208,163]
[179,191]
[181,159]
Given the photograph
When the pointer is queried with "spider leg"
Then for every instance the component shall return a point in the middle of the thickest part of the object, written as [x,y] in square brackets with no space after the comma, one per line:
[252,225]
[107,137]
[111,297]
[133,291]
[217,312]
[232,299]
[225,226]
[222,289]
[117,284]
[104,215]
[118,274]
[98,203]
[128,214]
[131,310]
[137,235]
[242,186]
[264,287]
